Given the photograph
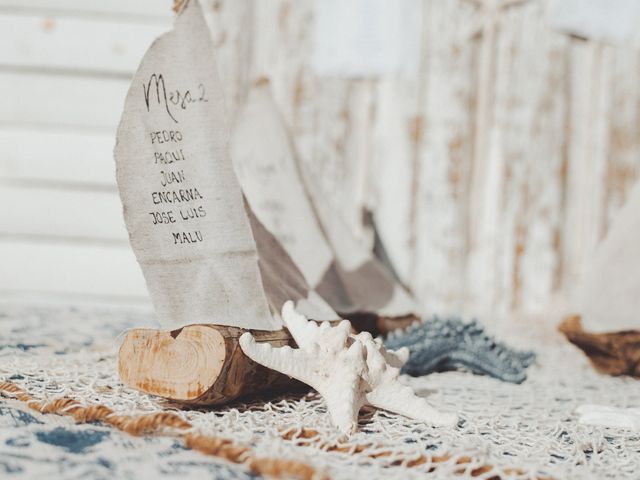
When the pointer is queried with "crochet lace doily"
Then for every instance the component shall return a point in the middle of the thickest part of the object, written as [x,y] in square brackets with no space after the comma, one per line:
[520,431]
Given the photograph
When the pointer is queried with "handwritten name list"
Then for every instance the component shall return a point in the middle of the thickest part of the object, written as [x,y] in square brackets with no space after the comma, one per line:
[177,199]
[182,204]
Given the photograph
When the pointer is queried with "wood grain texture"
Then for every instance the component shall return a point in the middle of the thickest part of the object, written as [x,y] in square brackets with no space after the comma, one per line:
[57,158]
[72,269]
[525,156]
[140,10]
[492,171]
[61,43]
[62,213]
[442,165]
[205,365]
[198,364]
[73,102]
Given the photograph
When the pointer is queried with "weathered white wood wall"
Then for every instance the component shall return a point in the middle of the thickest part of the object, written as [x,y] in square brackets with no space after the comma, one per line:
[64,71]
[492,171]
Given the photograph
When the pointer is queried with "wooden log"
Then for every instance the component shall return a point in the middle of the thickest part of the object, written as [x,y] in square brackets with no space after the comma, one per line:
[198,364]
[614,353]
[204,364]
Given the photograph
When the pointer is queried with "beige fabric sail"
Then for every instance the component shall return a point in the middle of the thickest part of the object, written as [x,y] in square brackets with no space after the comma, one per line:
[283,280]
[370,286]
[264,158]
[610,293]
[182,203]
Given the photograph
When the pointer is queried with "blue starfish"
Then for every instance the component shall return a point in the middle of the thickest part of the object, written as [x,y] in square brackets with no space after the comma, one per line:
[438,345]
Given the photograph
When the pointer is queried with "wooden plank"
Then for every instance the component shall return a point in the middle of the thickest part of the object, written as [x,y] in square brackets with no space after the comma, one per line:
[86,45]
[397,130]
[281,51]
[486,196]
[55,268]
[61,100]
[366,38]
[61,213]
[329,117]
[145,9]
[584,221]
[231,25]
[623,164]
[58,157]
[599,20]
[530,116]
[445,144]
[561,145]
[518,200]
[337,168]
[604,154]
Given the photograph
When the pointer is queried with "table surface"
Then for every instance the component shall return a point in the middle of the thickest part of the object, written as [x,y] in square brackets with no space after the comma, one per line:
[64,351]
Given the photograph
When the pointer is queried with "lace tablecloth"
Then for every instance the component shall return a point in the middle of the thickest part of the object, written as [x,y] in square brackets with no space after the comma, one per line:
[512,431]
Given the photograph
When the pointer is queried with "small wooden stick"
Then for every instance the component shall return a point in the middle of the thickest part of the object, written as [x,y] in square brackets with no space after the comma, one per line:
[204,364]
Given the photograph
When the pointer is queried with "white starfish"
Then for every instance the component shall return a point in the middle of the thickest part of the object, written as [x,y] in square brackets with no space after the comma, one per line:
[604,416]
[348,370]
[383,390]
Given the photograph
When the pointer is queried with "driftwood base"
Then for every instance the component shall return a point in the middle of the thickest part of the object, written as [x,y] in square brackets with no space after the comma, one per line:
[198,364]
[616,353]
[204,364]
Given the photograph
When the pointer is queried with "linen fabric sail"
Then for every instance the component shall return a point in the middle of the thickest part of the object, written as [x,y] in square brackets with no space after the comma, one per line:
[282,279]
[609,298]
[183,206]
[347,276]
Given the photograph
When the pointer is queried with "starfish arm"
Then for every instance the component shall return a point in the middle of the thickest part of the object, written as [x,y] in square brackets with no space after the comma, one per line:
[396,358]
[294,363]
[376,363]
[343,403]
[306,333]
[398,398]
[335,337]
[303,332]
[342,391]
[347,370]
